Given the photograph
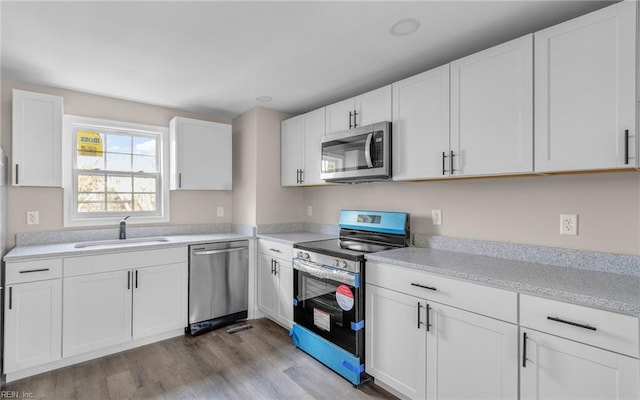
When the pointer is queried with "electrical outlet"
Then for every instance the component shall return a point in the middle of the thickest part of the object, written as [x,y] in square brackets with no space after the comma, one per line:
[309,211]
[436,217]
[220,211]
[568,224]
[33,218]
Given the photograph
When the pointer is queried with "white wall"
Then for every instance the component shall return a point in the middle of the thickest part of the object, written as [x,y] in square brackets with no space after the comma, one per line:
[187,207]
[275,204]
[517,210]
[257,194]
[245,147]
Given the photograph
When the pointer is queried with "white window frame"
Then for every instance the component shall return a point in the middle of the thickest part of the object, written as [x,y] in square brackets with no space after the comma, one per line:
[71,217]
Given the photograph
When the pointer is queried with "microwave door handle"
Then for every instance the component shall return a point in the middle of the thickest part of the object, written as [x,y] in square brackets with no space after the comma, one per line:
[367,150]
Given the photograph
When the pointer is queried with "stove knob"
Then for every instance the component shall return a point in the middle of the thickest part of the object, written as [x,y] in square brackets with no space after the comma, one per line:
[344,265]
[307,256]
[337,263]
[299,254]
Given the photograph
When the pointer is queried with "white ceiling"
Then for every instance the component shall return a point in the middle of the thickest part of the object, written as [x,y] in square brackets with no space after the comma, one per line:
[217,57]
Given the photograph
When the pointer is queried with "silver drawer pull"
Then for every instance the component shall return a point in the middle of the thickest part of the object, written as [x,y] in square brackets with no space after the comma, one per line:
[584,326]
[28,271]
[276,250]
[423,286]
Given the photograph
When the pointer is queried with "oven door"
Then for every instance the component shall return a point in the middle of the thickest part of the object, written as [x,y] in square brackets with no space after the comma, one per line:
[328,302]
[361,153]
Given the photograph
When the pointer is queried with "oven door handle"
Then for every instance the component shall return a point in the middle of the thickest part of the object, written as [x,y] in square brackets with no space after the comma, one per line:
[367,150]
[318,271]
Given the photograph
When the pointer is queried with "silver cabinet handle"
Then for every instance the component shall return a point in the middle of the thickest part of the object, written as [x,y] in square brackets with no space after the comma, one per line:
[10,297]
[276,250]
[208,252]
[179,180]
[28,271]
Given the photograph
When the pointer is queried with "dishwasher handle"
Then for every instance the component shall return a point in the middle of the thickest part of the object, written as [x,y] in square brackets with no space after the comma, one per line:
[208,252]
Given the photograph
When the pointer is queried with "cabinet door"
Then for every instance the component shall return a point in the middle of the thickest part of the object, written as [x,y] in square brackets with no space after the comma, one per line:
[36,139]
[291,151]
[557,368]
[33,324]
[96,312]
[585,90]
[395,342]
[374,106]
[284,272]
[492,110]
[313,131]
[159,299]
[267,286]
[421,125]
[479,351]
[338,116]
[201,153]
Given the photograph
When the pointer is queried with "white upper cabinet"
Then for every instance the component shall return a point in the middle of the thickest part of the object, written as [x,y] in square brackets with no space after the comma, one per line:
[492,110]
[300,149]
[585,91]
[367,108]
[420,125]
[36,139]
[312,132]
[291,152]
[200,155]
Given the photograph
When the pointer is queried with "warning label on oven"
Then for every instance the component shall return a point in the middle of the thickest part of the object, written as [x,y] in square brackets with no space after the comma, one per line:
[344,297]
[322,319]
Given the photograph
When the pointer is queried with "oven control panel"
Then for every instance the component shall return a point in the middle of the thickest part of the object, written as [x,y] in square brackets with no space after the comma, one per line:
[335,262]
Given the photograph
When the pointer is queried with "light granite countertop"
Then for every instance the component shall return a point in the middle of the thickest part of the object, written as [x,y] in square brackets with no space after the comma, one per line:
[295,237]
[21,253]
[605,290]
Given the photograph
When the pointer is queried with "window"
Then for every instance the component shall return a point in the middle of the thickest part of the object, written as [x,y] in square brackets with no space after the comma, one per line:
[114,169]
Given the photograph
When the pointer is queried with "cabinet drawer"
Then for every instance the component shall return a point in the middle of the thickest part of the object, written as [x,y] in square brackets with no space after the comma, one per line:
[605,329]
[496,303]
[275,249]
[30,271]
[120,261]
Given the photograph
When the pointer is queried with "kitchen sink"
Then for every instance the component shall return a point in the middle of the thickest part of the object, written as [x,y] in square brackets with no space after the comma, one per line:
[120,242]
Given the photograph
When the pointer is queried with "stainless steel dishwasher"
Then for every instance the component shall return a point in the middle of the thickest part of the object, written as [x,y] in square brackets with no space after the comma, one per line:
[218,285]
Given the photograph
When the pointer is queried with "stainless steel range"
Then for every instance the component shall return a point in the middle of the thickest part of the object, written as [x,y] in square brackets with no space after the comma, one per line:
[328,286]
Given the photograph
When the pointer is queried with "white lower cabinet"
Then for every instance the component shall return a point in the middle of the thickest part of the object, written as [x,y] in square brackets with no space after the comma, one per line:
[275,289]
[569,351]
[97,311]
[33,324]
[557,368]
[421,349]
[106,309]
[267,286]
[395,352]
[275,282]
[159,299]
[64,310]
[470,356]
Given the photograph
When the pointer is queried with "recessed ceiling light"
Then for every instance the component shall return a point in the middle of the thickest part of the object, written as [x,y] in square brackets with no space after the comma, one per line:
[264,99]
[404,27]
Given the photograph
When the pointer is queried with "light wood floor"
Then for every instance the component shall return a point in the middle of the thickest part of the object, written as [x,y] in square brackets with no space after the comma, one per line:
[257,363]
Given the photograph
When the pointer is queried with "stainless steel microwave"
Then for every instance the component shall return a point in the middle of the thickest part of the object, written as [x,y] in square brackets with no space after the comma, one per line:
[362,154]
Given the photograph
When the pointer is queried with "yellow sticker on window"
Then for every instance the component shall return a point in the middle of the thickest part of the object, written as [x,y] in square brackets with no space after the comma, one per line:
[89,144]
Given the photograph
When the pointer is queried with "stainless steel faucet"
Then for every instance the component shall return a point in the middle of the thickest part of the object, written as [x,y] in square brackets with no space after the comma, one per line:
[123,227]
